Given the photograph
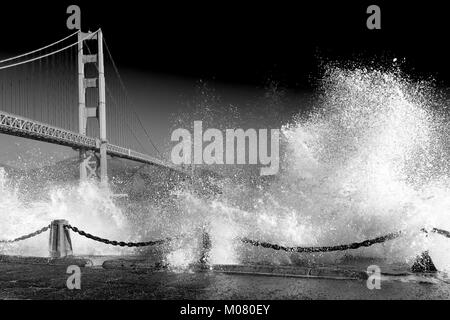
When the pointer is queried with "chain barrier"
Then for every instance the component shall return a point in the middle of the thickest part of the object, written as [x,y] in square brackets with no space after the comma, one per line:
[116,243]
[354,245]
[27,236]
[351,246]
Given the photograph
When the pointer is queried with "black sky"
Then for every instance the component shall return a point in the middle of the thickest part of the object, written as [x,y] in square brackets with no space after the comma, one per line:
[243,43]
[162,50]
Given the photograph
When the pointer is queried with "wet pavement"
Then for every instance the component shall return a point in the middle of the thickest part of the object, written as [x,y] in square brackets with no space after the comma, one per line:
[128,279]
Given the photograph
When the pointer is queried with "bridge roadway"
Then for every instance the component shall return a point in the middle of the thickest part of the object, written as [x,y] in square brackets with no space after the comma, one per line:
[20,126]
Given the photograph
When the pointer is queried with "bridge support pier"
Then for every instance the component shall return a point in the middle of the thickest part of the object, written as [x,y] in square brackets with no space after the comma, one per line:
[103,165]
[89,164]
[99,112]
[102,111]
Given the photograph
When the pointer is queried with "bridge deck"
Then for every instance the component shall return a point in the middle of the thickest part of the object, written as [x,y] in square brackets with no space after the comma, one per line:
[19,126]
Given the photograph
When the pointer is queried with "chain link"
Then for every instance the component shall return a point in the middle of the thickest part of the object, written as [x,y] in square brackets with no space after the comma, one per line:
[31,235]
[116,243]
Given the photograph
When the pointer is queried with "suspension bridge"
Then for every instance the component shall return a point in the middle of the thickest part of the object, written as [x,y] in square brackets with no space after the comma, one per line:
[58,94]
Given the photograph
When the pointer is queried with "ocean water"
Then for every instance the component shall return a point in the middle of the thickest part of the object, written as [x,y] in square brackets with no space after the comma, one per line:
[370,157]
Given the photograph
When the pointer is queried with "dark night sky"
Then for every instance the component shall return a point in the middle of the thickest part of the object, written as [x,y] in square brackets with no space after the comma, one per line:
[241,43]
[164,49]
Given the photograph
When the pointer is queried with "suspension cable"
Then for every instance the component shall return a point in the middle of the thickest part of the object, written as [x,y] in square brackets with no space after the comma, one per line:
[108,91]
[131,129]
[49,54]
[128,96]
[40,49]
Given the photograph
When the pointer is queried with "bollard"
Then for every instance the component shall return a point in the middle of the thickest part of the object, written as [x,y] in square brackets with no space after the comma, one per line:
[423,263]
[60,245]
[206,247]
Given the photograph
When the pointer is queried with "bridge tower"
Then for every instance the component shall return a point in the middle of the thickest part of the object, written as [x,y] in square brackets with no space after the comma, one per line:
[89,161]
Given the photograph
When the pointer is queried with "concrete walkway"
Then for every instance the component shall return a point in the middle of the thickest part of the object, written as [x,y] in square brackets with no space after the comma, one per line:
[133,278]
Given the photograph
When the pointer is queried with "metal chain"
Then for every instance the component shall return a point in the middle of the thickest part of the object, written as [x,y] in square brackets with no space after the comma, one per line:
[444,233]
[116,243]
[354,245]
[31,235]
[351,246]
